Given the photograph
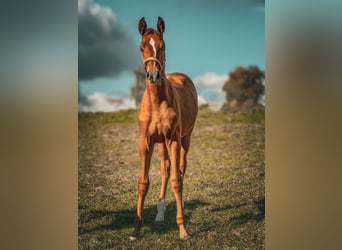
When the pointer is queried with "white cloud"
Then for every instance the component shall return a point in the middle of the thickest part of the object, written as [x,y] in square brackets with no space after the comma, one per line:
[102,102]
[209,89]
[104,15]
[201,100]
[210,79]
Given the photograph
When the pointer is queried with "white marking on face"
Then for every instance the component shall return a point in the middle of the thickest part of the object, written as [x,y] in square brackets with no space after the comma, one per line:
[152,42]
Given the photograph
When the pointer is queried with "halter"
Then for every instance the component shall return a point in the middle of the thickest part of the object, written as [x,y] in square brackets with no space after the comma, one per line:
[151,58]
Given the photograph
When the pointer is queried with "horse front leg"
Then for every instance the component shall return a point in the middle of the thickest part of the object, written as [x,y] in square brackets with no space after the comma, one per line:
[165,173]
[177,186]
[145,154]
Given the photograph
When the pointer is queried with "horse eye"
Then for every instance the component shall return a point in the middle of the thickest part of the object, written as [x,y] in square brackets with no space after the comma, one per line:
[141,49]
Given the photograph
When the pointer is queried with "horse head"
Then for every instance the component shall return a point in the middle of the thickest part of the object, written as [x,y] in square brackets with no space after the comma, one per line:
[153,50]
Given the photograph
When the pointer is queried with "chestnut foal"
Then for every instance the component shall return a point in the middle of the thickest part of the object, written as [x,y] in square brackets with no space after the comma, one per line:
[167,115]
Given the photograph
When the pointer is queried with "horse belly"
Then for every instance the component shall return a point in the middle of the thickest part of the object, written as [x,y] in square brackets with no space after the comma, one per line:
[158,138]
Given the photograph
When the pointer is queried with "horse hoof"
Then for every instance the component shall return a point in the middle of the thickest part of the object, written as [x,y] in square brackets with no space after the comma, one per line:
[184,236]
[134,236]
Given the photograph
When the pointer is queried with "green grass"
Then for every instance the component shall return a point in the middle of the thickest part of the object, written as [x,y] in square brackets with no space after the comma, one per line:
[257,116]
[223,188]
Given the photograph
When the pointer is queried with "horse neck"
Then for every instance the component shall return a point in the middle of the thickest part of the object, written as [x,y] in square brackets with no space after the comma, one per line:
[159,93]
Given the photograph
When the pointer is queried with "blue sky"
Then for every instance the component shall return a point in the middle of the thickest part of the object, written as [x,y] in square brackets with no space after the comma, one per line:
[202,37]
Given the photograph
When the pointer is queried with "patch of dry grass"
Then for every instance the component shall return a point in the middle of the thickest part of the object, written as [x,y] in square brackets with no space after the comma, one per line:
[224,184]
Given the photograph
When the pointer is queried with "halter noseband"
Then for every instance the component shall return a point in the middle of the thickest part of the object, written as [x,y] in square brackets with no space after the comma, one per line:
[151,58]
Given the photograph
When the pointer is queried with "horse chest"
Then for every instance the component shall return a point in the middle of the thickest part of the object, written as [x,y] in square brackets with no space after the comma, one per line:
[161,121]
[155,127]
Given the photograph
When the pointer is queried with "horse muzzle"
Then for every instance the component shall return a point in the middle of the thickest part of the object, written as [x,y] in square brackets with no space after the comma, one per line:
[153,72]
[153,76]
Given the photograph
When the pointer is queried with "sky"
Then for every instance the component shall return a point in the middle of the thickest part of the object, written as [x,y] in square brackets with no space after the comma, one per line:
[205,39]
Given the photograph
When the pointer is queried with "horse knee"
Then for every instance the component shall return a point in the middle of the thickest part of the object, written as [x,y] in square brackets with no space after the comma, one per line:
[143,186]
[177,185]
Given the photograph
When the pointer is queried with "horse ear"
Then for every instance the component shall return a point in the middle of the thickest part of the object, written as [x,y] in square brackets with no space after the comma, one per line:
[160,25]
[142,26]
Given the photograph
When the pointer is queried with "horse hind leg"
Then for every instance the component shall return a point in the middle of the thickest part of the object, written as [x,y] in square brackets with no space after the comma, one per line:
[165,173]
[183,161]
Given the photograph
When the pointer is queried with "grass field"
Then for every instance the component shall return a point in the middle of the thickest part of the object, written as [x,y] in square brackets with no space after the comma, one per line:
[224,188]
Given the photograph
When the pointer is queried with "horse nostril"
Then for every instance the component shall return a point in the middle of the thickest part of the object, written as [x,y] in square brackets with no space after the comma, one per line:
[153,76]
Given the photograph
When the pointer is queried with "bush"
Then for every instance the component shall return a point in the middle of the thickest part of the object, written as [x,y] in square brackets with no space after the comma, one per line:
[244,87]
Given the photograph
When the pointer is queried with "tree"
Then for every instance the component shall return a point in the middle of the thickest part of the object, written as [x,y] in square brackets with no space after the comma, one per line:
[138,89]
[244,87]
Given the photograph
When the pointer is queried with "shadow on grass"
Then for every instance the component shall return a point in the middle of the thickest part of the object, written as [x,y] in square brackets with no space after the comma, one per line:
[257,214]
[256,211]
[103,220]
